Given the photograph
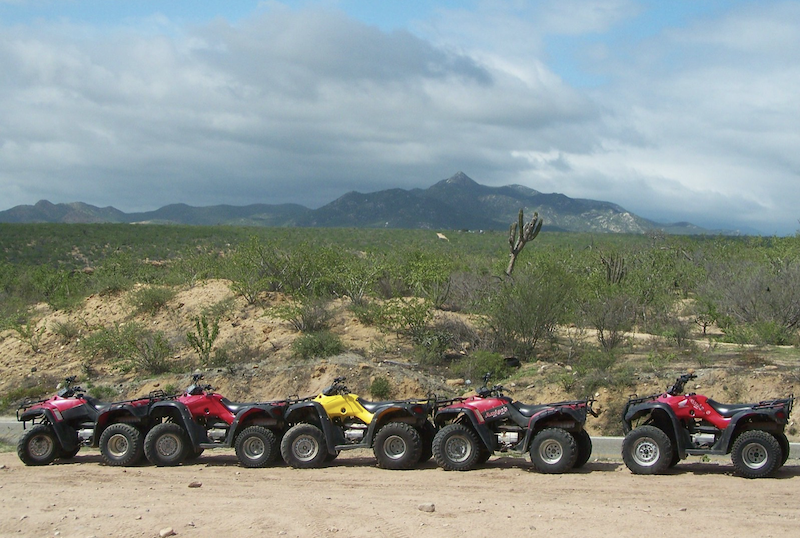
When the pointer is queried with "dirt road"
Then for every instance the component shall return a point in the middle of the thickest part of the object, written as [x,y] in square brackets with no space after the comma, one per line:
[352,497]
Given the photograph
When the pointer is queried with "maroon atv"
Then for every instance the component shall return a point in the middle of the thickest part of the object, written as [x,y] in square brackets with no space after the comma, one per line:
[183,428]
[471,429]
[663,429]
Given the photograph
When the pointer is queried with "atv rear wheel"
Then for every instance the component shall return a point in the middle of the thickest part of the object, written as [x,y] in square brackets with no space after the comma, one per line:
[166,445]
[397,446]
[38,446]
[121,445]
[256,446]
[756,454]
[553,451]
[456,448]
[647,450]
[584,443]
[304,446]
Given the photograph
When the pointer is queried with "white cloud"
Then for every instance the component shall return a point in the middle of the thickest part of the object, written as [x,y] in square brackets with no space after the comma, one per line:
[696,122]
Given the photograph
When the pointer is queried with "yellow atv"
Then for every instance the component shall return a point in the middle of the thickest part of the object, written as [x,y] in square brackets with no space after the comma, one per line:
[398,432]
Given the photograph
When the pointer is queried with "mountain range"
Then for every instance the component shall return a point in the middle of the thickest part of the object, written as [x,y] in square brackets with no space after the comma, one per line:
[454,203]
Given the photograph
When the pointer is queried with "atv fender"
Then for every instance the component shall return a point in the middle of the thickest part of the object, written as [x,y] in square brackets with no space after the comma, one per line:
[679,434]
[460,414]
[183,418]
[270,413]
[765,420]
[67,435]
[110,415]
[295,413]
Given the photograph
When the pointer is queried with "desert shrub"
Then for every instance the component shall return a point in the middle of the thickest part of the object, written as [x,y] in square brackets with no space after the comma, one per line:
[220,309]
[432,344]
[528,308]
[235,351]
[380,388]
[67,331]
[475,365]
[117,342]
[150,299]
[29,333]
[612,313]
[367,313]
[320,344]
[406,315]
[34,387]
[153,354]
[202,339]
[102,392]
[310,315]
[760,333]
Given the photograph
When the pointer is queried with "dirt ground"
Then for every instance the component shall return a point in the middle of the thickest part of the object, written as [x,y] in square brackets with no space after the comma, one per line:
[352,497]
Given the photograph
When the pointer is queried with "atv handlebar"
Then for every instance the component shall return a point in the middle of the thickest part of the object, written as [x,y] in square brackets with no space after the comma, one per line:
[680,383]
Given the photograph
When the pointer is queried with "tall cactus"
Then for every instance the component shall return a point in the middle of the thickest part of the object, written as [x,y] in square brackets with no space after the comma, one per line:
[527,232]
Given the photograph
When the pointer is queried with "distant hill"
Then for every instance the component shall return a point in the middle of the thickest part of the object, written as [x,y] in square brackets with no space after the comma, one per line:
[454,203]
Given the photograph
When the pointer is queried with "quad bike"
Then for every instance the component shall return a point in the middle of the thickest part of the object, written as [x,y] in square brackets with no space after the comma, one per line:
[61,424]
[71,419]
[201,418]
[471,429]
[120,427]
[663,429]
[398,431]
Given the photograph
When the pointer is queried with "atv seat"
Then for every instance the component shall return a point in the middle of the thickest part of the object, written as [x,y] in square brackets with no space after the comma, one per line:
[370,406]
[528,410]
[234,407]
[94,402]
[728,410]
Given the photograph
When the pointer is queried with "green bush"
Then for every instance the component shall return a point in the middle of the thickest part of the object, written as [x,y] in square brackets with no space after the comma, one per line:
[154,352]
[475,365]
[116,343]
[380,388]
[151,299]
[320,344]
[66,331]
[311,315]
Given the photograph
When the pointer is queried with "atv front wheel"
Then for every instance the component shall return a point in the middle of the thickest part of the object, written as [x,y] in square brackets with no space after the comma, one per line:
[456,448]
[756,454]
[427,434]
[68,454]
[553,451]
[166,445]
[304,447]
[647,450]
[584,443]
[121,445]
[38,446]
[784,442]
[397,446]
[256,446]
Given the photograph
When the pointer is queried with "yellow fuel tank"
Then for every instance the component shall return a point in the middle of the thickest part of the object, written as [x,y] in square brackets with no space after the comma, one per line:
[338,406]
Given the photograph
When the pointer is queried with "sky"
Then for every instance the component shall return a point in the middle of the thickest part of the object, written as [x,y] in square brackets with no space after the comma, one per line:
[677,111]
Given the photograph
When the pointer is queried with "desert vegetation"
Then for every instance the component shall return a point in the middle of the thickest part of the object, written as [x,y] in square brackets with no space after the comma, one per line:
[582,313]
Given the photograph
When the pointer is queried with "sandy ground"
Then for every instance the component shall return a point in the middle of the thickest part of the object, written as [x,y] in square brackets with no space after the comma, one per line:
[352,497]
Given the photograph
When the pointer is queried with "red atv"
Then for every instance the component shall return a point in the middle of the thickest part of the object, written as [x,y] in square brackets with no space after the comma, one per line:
[201,418]
[61,424]
[71,419]
[473,428]
[663,429]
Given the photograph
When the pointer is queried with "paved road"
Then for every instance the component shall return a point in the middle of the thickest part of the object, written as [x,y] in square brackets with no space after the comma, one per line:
[602,447]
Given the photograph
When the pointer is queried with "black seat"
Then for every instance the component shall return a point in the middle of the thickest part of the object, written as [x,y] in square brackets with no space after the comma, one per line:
[371,406]
[234,407]
[528,410]
[728,410]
